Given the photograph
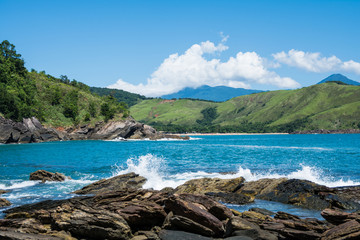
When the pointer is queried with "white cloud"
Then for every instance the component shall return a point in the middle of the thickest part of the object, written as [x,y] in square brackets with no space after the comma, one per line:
[313,62]
[191,69]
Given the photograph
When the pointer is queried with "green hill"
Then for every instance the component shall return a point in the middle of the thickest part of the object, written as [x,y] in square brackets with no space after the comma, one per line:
[122,96]
[323,106]
[54,101]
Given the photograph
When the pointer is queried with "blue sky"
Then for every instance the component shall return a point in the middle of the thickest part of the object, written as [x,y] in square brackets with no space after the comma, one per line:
[158,47]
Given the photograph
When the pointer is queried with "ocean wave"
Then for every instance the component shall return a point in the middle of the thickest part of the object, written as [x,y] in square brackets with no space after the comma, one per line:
[18,184]
[153,168]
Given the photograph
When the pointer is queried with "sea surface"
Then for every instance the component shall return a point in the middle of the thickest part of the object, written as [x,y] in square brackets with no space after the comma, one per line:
[331,160]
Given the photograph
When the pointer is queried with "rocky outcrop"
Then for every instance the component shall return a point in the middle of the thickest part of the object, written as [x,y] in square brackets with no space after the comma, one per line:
[31,130]
[224,190]
[44,176]
[28,131]
[121,182]
[301,193]
[4,202]
[120,209]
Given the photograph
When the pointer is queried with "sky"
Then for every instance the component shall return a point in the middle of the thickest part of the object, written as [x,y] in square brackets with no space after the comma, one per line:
[160,47]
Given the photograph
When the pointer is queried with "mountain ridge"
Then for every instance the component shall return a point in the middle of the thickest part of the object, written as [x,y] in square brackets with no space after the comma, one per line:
[205,92]
[339,78]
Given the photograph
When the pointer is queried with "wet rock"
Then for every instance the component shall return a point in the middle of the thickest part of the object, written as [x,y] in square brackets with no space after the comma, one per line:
[286,216]
[180,235]
[195,213]
[262,211]
[43,176]
[3,191]
[338,217]
[125,181]
[4,203]
[255,217]
[205,185]
[239,223]
[300,193]
[346,231]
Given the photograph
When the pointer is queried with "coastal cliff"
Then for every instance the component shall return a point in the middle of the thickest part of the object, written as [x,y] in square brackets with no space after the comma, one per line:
[30,130]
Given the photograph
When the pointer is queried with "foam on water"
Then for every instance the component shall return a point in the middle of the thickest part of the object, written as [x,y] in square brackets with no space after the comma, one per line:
[154,169]
[18,184]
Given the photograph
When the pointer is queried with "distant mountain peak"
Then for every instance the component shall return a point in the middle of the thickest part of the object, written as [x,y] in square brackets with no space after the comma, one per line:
[205,92]
[339,78]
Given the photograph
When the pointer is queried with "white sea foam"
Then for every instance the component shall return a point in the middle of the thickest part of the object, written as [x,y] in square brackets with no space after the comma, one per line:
[154,169]
[16,185]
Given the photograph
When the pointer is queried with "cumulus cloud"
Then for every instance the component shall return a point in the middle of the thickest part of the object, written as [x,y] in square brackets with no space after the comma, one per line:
[192,69]
[314,62]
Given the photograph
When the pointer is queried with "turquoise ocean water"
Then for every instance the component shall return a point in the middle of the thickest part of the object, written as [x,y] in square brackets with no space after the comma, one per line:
[331,160]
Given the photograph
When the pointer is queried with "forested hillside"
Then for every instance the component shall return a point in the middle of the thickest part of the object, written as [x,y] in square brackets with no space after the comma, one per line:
[121,96]
[54,101]
[322,106]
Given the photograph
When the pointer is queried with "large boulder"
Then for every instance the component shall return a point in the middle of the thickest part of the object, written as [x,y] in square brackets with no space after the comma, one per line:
[43,176]
[196,213]
[219,189]
[347,231]
[125,181]
[338,217]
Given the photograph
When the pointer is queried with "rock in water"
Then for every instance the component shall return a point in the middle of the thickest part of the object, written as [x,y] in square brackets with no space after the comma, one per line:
[43,176]
[125,181]
[4,202]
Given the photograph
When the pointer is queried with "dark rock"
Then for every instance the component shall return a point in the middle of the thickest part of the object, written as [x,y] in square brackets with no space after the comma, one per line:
[262,211]
[125,181]
[3,191]
[175,222]
[256,234]
[289,233]
[286,216]
[338,217]
[215,208]
[195,213]
[14,235]
[180,235]
[47,176]
[235,198]
[301,193]
[145,235]
[345,231]
[4,202]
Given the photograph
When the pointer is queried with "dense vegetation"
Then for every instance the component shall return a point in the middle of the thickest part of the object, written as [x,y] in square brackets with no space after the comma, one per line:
[322,106]
[54,101]
[121,96]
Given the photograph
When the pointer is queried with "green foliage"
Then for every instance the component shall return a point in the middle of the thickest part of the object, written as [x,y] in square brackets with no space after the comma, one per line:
[54,101]
[209,114]
[71,109]
[121,96]
[322,106]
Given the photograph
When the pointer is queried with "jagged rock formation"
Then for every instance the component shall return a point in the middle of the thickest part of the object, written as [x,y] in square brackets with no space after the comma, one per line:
[120,209]
[31,130]
[44,176]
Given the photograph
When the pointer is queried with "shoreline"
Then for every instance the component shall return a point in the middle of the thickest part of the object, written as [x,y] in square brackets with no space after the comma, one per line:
[224,134]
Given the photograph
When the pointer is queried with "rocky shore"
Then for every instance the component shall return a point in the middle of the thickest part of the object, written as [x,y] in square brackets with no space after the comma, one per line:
[31,130]
[119,208]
